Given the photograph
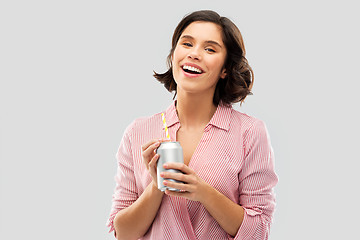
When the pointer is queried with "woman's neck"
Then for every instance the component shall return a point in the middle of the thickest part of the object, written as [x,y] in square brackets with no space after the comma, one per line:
[194,111]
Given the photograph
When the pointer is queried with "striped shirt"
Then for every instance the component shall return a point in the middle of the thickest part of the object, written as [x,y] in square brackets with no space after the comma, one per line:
[234,156]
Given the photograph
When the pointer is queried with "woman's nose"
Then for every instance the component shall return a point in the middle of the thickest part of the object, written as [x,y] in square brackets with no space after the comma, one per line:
[194,54]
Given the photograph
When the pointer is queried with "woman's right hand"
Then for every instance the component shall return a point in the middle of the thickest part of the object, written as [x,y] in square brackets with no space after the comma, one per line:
[150,157]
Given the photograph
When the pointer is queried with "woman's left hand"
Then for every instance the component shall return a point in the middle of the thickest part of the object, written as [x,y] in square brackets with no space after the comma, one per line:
[192,188]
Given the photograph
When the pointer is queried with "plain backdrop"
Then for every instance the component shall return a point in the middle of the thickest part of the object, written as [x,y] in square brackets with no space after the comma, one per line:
[75,73]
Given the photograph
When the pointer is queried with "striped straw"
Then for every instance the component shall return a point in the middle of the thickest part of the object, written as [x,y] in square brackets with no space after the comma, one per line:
[165,126]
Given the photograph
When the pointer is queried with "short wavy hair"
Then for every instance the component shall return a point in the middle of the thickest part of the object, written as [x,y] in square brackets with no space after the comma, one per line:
[239,76]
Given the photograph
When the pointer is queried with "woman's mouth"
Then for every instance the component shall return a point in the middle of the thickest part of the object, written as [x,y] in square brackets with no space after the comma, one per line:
[191,70]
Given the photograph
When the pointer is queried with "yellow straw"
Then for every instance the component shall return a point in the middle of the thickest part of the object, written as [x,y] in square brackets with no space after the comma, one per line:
[165,126]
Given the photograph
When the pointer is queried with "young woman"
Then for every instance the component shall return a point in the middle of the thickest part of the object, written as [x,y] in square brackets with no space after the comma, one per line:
[228,172]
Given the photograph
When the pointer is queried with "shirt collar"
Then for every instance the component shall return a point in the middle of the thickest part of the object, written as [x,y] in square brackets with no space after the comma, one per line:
[171,115]
[220,119]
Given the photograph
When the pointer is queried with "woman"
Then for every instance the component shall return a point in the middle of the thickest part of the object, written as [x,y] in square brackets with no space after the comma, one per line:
[228,172]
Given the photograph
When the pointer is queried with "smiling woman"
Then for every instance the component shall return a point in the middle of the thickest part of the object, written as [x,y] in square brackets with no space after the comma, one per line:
[227,178]
[200,47]
[237,83]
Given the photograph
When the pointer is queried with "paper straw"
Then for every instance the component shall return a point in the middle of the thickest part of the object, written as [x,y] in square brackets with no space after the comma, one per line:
[165,126]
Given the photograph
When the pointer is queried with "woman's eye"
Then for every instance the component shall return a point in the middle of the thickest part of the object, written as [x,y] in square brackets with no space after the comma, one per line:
[187,44]
[210,50]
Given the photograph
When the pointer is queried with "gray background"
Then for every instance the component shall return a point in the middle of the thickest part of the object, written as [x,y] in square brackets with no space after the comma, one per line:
[75,73]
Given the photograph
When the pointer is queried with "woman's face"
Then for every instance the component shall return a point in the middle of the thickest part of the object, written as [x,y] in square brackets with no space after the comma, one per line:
[198,58]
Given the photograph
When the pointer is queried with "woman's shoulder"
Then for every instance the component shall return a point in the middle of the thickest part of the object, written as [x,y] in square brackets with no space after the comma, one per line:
[148,120]
[152,125]
[144,123]
[243,117]
[246,122]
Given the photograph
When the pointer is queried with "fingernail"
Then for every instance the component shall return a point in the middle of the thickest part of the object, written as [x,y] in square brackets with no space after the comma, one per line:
[165,182]
[162,174]
[165,165]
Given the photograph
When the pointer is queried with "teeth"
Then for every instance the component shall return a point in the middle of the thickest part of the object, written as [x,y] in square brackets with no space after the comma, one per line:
[190,68]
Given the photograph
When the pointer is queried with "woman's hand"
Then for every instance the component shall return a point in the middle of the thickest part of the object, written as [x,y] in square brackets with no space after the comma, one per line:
[150,157]
[192,188]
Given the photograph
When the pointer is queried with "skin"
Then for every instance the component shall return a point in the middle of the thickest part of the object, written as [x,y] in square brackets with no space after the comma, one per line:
[201,44]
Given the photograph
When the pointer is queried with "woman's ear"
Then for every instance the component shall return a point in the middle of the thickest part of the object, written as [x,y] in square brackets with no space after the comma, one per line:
[223,73]
[171,59]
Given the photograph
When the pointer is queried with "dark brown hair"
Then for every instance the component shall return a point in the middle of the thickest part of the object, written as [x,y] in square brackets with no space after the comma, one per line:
[239,76]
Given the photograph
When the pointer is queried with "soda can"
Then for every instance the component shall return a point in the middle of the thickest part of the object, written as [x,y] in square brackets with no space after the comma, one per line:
[169,152]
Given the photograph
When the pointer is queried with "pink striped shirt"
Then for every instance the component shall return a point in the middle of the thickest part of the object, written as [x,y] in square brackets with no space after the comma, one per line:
[234,155]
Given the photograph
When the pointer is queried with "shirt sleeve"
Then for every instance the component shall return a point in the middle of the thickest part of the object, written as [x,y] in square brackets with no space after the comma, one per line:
[125,192]
[257,179]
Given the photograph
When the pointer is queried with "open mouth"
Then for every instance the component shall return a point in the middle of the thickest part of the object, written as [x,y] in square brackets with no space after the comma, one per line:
[191,69]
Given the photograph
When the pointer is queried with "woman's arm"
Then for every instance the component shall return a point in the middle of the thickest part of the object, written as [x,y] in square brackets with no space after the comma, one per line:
[132,214]
[228,214]
[134,221]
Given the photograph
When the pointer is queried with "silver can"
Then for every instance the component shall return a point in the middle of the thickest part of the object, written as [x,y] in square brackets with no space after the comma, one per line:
[169,152]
